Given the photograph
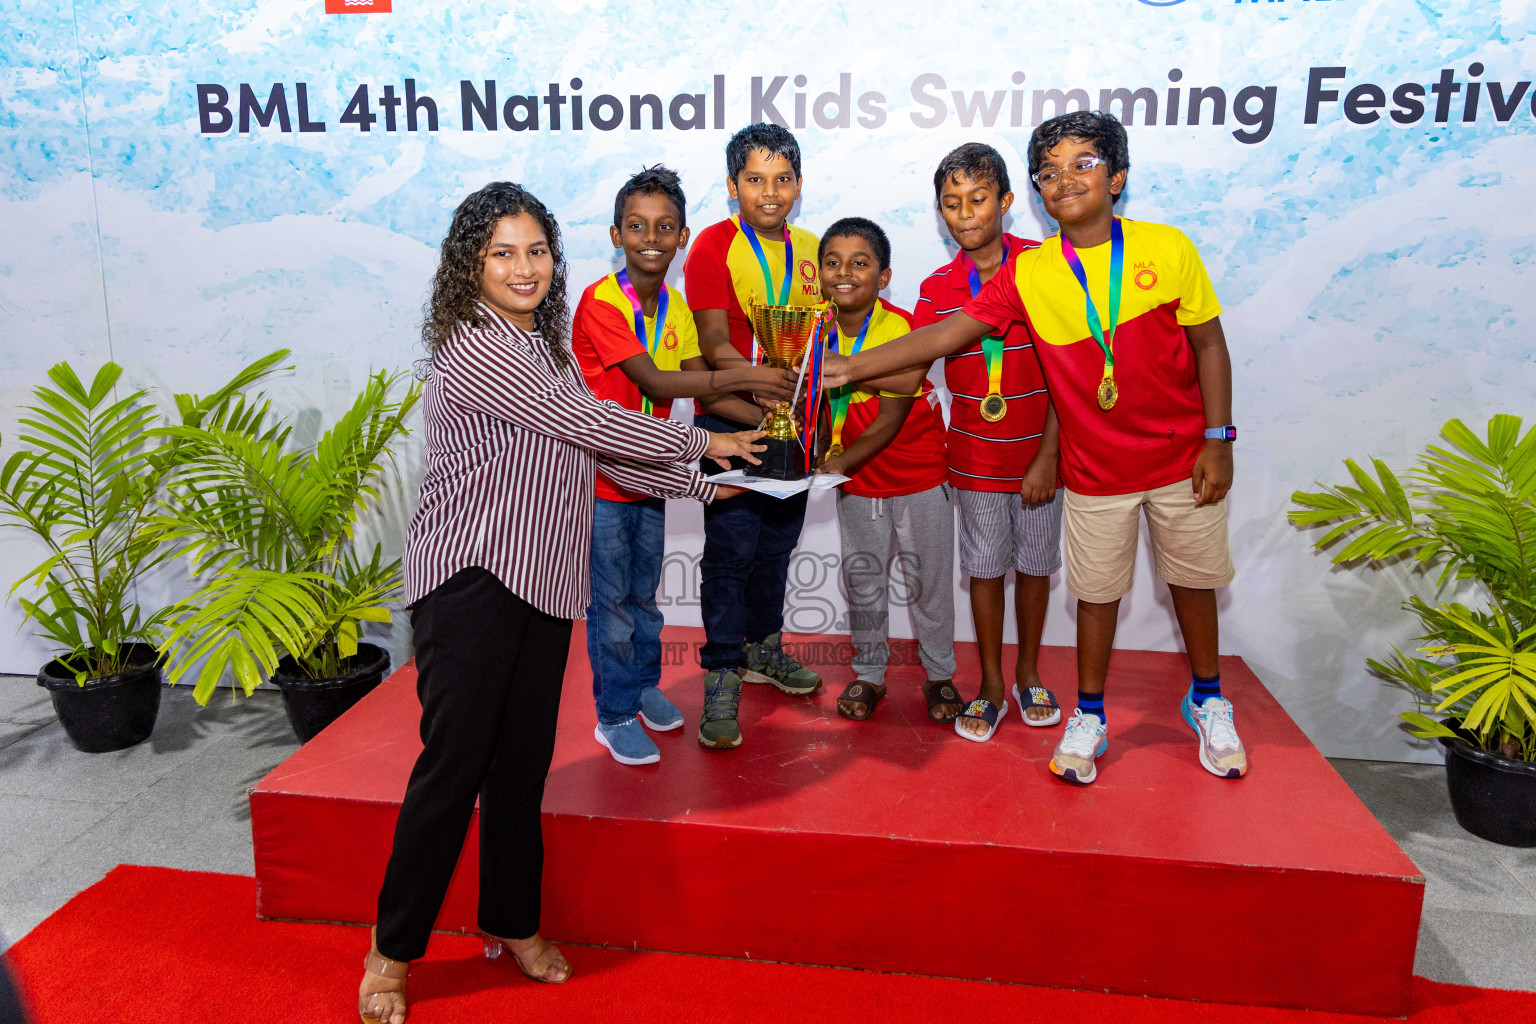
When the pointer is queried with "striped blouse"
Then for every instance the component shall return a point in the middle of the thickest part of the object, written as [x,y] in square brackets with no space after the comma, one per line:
[512,446]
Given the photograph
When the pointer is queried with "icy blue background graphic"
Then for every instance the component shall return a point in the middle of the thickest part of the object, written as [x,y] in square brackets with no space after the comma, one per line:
[1375,277]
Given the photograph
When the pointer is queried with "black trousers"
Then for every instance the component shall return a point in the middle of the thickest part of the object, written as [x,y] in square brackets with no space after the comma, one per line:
[489,669]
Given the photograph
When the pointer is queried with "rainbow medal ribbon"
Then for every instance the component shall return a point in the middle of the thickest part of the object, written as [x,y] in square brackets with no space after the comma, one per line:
[651,343]
[842,398]
[1109,391]
[762,261]
[993,407]
[812,395]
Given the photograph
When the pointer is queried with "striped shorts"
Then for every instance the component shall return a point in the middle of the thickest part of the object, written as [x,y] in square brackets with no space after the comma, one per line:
[997,530]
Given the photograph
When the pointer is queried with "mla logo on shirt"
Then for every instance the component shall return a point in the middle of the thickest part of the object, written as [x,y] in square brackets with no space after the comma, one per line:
[1146,276]
[669,339]
[808,278]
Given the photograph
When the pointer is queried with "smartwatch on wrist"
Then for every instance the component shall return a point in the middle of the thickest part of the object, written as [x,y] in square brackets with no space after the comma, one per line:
[1226,433]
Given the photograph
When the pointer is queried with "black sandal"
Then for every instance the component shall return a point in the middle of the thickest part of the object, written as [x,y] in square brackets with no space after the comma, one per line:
[862,693]
[937,692]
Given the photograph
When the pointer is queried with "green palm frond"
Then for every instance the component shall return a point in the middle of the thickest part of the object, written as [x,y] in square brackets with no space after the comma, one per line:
[1468,510]
[246,504]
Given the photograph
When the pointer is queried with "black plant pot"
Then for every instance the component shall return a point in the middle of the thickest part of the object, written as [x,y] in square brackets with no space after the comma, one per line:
[1494,797]
[313,704]
[112,712]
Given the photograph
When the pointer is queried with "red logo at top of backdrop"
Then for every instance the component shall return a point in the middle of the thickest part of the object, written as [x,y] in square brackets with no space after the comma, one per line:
[357,6]
[807,271]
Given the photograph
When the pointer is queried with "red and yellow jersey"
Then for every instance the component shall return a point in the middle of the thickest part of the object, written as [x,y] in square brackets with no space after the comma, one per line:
[603,336]
[1157,428]
[914,460]
[722,272]
[986,456]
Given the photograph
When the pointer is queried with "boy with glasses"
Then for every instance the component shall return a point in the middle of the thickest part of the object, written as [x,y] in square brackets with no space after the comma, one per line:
[1126,326]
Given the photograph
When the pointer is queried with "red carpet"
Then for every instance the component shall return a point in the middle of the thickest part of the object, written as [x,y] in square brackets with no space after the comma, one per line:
[151,944]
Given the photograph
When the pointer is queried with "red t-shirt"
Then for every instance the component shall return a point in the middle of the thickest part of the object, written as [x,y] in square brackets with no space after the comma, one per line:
[722,272]
[1156,430]
[914,460]
[986,456]
[603,336]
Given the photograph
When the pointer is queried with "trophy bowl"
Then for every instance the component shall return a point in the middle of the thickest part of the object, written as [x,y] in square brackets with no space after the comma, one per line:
[784,333]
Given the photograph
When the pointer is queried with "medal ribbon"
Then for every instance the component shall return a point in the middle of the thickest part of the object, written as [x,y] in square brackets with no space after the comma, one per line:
[991,348]
[843,397]
[1116,272]
[653,343]
[812,394]
[762,261]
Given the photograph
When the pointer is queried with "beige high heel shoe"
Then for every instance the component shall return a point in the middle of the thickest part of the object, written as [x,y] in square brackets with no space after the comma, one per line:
[556,969]
[380,966]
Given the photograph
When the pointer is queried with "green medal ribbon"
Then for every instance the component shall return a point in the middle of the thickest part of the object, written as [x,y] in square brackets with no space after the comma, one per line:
[1109,392]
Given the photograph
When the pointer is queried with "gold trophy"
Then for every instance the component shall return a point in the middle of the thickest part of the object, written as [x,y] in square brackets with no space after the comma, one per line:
[784,332]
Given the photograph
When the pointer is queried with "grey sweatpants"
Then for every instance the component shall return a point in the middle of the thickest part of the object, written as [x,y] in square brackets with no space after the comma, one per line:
[899,551]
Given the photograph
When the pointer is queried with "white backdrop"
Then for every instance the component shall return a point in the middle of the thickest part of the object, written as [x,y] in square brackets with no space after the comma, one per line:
[1370,260]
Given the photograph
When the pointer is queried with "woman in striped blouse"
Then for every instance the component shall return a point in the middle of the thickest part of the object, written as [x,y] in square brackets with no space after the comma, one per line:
[496,569]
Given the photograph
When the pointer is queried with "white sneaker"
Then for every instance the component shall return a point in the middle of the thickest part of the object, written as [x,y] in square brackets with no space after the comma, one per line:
[1221,752]
[1086,738]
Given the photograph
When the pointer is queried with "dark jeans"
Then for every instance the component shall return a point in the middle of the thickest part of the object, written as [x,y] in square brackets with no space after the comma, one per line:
[623,622]
[489,668]
[748,541]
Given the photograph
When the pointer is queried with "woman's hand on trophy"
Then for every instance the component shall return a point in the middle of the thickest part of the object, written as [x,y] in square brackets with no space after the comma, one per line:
[834,370]
[773,384]
[723,447]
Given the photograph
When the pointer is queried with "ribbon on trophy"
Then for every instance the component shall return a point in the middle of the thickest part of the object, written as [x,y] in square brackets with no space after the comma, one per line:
[842,397]
[1109,391]
[993,407]
[762,262]
[651,343]
[811,373]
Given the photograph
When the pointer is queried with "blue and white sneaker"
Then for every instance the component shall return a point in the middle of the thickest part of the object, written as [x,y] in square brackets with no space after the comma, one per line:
[1086,738]
[1221,752]
[627,742]
[658,713]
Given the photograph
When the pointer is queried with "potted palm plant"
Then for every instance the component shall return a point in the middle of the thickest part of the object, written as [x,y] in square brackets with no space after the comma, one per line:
[269,526]
[1467,511]
[85,484]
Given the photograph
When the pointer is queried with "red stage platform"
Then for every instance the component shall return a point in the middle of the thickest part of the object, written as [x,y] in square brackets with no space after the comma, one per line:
[895,845]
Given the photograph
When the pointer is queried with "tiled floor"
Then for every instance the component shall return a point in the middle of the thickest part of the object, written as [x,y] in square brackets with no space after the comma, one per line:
[178,800]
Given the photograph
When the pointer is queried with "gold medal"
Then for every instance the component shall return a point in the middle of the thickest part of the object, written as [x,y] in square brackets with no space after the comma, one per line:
[1109,393]
[994,407]
[834,451]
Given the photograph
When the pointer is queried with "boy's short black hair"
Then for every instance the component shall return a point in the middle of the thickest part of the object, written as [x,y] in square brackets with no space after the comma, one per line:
[770,137]
[859,227]
[653,181]
[975,160]
[1103,130]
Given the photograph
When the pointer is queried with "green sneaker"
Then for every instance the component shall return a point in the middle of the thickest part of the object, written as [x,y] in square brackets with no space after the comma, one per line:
[718,728]
[768,662]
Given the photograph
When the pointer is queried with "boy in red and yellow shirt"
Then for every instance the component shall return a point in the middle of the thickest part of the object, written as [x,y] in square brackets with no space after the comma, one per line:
[748,541]
[1003,468]
[1126,325]
[894,515]
[633,336]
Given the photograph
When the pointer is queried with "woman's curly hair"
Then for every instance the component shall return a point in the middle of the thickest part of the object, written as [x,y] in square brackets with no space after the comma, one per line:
[456,286]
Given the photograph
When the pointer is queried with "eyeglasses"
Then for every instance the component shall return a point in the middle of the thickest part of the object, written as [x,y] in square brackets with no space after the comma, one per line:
[1079,168]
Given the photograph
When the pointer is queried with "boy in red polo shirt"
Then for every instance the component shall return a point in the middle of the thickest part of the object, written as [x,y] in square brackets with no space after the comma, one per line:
[756,255]
[892,446]
[1127,327]
[1003,467]
[632,336]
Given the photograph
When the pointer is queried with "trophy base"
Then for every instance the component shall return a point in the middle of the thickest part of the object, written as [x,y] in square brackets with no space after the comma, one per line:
[783,460]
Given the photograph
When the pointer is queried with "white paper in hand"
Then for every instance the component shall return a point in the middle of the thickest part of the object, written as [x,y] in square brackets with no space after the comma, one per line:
[779,488]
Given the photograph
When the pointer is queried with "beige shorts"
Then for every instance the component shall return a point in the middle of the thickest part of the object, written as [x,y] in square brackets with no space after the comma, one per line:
[1189,544]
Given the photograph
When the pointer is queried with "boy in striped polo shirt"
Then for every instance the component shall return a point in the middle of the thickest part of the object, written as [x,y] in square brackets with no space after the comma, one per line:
[635,340]
[892,445]
[1002,443]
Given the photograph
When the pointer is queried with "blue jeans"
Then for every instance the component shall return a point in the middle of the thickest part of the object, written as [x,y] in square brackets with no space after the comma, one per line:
[748,540]
[623,622]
